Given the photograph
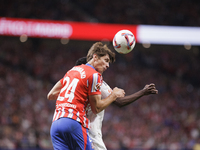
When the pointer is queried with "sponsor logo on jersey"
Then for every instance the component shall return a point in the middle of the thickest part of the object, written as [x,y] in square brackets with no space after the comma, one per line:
[66,105]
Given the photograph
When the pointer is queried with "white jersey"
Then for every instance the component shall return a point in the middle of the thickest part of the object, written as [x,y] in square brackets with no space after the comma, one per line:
[95,132]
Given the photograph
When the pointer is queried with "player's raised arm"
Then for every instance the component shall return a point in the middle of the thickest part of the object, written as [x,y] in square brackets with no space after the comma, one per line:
[98,104]
[54,92]
[148,89]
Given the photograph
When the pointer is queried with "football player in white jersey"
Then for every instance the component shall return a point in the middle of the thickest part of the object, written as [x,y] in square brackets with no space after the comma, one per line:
[95,132]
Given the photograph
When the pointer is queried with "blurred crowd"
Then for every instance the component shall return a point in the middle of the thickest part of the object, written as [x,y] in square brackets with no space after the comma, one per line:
[169,120]
[154,12]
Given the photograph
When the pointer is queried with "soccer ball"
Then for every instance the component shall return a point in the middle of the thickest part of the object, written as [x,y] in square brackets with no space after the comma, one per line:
[124,41]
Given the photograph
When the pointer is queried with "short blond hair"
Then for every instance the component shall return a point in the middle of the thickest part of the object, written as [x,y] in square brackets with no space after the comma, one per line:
[100,50]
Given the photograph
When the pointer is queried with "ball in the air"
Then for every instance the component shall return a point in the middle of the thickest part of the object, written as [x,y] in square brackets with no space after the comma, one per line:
[124,41]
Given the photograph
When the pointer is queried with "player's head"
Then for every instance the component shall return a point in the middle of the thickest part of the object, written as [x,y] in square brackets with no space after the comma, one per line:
[80,61]
[99,56]
[100,50]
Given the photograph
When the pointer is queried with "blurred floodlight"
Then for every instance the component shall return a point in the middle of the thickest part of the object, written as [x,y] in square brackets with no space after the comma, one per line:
[64,41]
[146,45]
[106,41]
[187,46]
[23,38]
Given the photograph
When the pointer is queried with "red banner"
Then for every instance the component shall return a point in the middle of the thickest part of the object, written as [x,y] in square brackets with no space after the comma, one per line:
[61,29]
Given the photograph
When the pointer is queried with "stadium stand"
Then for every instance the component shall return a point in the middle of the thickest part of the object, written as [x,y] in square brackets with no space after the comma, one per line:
[169,120]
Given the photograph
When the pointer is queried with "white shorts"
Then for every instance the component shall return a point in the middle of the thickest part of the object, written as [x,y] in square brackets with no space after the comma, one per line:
[97,142]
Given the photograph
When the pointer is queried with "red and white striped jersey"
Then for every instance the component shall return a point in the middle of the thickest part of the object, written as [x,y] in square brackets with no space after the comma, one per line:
[77,84]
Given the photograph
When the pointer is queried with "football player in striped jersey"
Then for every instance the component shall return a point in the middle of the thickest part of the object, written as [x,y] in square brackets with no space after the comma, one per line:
[79,87]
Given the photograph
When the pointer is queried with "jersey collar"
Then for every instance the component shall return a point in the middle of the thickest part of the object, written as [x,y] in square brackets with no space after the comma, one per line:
[90,66]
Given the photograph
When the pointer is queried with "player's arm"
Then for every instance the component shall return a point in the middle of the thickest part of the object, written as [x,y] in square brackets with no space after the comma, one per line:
[98,104]
[54,92]
[148,89]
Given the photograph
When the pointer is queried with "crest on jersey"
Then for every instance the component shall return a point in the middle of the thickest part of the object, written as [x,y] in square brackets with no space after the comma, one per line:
[98,86]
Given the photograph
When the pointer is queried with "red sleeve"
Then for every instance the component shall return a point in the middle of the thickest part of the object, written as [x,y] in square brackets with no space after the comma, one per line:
[61,81]
[95,82]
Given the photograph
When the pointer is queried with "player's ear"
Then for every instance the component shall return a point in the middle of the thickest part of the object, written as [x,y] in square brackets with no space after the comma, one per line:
[95,57]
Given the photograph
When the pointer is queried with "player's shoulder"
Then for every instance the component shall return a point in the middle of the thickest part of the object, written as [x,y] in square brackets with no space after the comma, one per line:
[104,83]
[105,90]
[83,68]
[90,70]
[85,71]
[105,86]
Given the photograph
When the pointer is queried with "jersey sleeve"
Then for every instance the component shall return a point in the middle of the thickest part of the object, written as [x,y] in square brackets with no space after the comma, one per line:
[94,84]
[61,81]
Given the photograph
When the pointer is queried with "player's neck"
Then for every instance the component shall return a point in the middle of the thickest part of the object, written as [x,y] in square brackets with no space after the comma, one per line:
[91,62]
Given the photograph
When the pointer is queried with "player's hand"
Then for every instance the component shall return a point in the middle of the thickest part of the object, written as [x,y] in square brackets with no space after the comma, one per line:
[118,92]
[150,89]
